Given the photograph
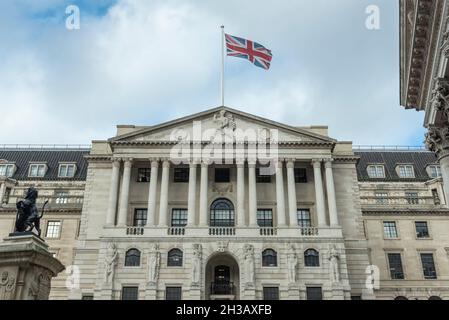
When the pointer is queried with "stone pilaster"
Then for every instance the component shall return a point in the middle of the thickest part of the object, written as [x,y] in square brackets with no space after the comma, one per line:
[152,193]
[192,194]
[203,194]
[124,193]
[113,190]
[280,196]
[163,202]
[292,206]
[252,193]
[319,194]
[240,192]
[330,188]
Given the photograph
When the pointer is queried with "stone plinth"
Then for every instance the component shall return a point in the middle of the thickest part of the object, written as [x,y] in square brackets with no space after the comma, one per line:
[26,268]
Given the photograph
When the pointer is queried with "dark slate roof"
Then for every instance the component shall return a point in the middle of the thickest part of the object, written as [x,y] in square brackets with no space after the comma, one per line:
[419,159]
[23,157]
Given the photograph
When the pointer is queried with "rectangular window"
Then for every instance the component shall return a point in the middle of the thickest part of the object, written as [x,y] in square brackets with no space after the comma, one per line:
[140,217]
[390,231]
[304,220]
[262,178]
[222,175]
[53,229]
[314,293]
[173,293]
[66,171]
[130,293]
[412,197]
[6,195]
[270,293]
[62,197]
[376,171]
[406,171]
[181,175]
[434,171]
[422,230]
[381,197]
[395,264]
[37,170]
[6,170]
[179,218]
[264,217]
[87,297]
[436,197]
[300,175]
[143,174]
[428,266]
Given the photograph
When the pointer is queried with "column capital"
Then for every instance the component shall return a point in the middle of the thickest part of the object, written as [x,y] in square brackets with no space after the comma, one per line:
[193,163]
[290,162]
[166,164]
[128,162]
[240,162]
[316,163]
[154,162]
[252,162]
[116,162]
[328,163]
[204,164]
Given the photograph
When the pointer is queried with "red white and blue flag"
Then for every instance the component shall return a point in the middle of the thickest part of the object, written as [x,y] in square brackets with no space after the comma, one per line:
[247,49]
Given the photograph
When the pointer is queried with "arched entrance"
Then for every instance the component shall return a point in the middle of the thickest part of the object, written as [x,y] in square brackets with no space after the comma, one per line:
[222,278]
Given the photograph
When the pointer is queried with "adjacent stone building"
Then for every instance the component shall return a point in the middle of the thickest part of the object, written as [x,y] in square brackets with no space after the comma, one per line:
[227,205]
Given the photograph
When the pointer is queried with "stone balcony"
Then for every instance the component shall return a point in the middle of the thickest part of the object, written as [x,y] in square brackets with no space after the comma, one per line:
[222,232]
[397,202]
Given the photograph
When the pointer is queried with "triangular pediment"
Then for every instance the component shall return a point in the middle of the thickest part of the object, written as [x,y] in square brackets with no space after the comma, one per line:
[222,123]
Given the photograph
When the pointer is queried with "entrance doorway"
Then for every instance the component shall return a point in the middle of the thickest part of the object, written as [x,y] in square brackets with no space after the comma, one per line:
[222,278]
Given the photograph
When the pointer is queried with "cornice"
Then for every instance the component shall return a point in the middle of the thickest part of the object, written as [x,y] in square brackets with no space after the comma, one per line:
[392,212]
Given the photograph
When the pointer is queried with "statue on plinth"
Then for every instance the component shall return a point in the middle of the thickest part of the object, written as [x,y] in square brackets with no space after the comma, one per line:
[154,262]
[196,265]
[249,264]
[28,217]
[110,262]
[292,261]
[334,266]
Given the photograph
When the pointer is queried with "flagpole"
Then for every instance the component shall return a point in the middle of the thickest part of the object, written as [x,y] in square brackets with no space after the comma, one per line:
[222,64]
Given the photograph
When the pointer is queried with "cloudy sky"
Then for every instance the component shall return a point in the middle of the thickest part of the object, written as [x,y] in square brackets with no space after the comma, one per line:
[147,61]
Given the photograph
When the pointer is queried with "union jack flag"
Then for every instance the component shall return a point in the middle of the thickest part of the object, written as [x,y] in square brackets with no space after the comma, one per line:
[247,49]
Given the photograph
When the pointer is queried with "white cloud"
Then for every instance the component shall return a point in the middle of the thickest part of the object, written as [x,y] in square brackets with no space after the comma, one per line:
[145,62]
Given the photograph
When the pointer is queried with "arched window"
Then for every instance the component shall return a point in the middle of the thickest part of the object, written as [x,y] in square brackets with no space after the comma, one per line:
[132,258]
[435,298]
[222,213]
[311,258]
[269,258]
[400,298]
[174,258]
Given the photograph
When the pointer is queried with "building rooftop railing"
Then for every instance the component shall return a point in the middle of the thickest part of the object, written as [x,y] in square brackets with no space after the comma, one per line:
[43,147]
[388,148]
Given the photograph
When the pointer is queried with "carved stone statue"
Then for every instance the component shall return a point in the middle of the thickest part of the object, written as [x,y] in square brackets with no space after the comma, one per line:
[154,262]
[292,262]
[28,217]
[224,121]
[249,264]
[110,263]
[196,264]
[334,265]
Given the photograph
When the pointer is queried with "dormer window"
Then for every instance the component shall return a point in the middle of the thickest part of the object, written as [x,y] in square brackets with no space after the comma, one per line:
[66,170]
[37,170]
[7,170]
[376,171]
[434,171]
[405,171]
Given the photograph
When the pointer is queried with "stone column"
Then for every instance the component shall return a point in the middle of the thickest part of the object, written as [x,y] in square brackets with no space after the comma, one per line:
[113,190]
[292,207]
[163,202]
[319,194]
[152,194]
[330,188]
[192,195]
[2,192]
[124,193]
[437,140]
[240,192]
[203,194]
[252,193]
[280,196]
[444,165]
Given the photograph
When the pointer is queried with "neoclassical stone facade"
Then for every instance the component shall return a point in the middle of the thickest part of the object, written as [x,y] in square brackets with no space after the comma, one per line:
[227,205]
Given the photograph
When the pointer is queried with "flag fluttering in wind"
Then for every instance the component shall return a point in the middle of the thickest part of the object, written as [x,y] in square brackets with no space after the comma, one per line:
[250,50]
